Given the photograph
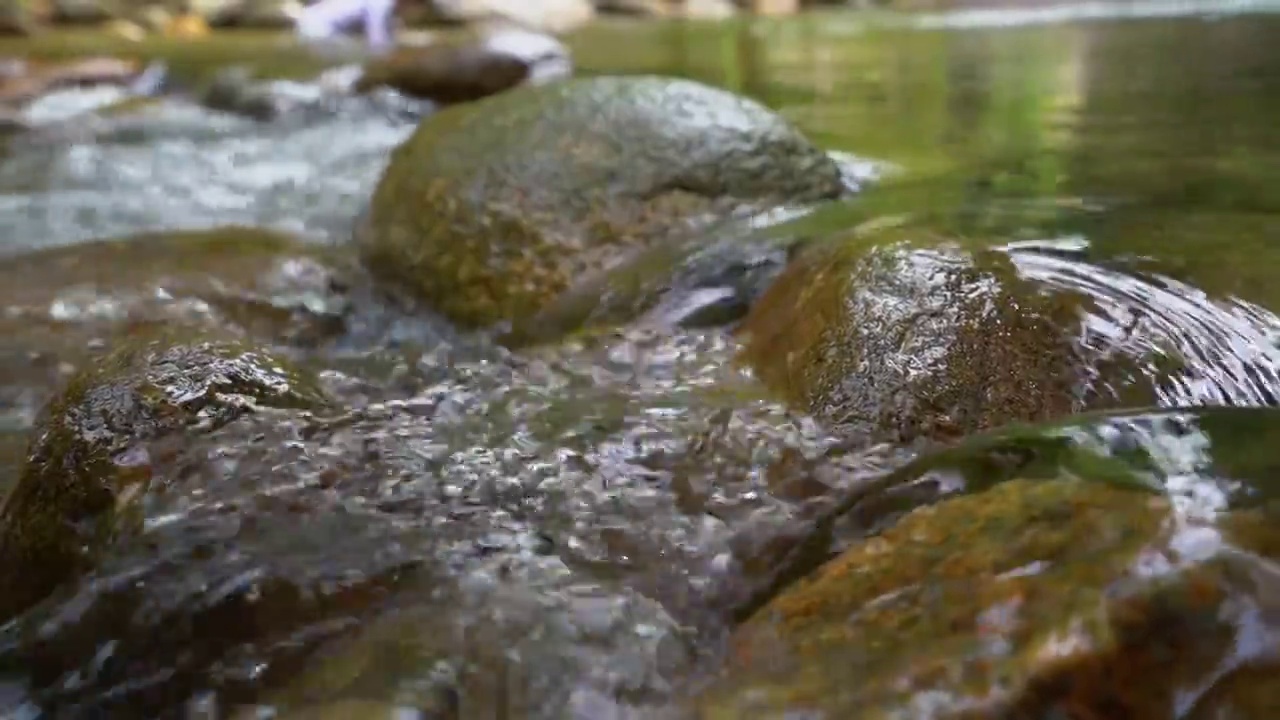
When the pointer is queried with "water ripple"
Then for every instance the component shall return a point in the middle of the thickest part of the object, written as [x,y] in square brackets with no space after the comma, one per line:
[1224,348]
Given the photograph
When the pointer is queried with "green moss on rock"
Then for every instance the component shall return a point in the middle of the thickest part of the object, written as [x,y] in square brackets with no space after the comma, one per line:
[87,466]
[492,208]
[1033,599]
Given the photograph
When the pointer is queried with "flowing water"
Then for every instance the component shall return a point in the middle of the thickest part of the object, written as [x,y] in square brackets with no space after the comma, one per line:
[576,522]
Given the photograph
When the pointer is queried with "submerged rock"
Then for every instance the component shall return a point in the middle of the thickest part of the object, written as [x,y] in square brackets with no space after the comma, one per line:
[468,67]
[898,337]
[87,472]
[491,209]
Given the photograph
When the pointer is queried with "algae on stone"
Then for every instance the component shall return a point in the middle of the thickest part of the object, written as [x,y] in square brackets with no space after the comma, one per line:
[88,461]
[491,209]
[1044,598]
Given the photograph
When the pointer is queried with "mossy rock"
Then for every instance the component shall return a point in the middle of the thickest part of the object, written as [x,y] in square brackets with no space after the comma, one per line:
[490,209]
[905,336]
[87,468]
[1036,598]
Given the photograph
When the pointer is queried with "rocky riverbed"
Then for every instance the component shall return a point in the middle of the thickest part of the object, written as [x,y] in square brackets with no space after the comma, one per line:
[628,395]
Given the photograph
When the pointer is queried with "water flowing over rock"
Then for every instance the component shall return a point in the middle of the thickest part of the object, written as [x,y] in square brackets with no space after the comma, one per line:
[493,208]
[899,333]
[61,308]
[584,531]
[88,468]
[1124,566]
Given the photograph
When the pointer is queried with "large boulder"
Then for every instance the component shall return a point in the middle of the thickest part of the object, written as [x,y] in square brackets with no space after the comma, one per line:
[491,209]
[1073,591]
[88,468]
[900,336]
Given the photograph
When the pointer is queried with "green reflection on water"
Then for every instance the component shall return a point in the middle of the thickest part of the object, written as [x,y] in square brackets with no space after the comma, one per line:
[1153,139]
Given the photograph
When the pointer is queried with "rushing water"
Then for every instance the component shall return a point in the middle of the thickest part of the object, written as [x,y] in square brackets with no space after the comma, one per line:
[591,500]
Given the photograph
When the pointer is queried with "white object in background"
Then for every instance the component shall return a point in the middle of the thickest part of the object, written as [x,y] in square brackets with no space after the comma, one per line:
[329,18]
[547,58]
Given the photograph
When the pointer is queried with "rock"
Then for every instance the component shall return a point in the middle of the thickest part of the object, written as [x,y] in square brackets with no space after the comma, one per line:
[30,80]
[11,123]
[511,656]
[564,556]
[60,307]
[553,16]
[16,18]
[892,339]
[490,209]
[236,90]
[87,472]
[646,8]
[1063,596]
[468,67]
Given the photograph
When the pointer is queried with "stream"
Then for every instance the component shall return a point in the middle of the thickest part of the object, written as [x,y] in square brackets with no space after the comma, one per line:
[578,529]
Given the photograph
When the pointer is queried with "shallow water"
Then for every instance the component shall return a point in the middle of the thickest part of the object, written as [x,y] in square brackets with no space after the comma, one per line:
[598,508]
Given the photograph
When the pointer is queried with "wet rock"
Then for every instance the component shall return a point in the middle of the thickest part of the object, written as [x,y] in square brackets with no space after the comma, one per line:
[11,123]
[30,80]
[552,504]
[553,16]
[87,473]
[509,657]
[709,279]
[898,337]
[1113,565]
[60,307]
[236,90]
[492,208]
[239,91]
[1035,598]
[466,67]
